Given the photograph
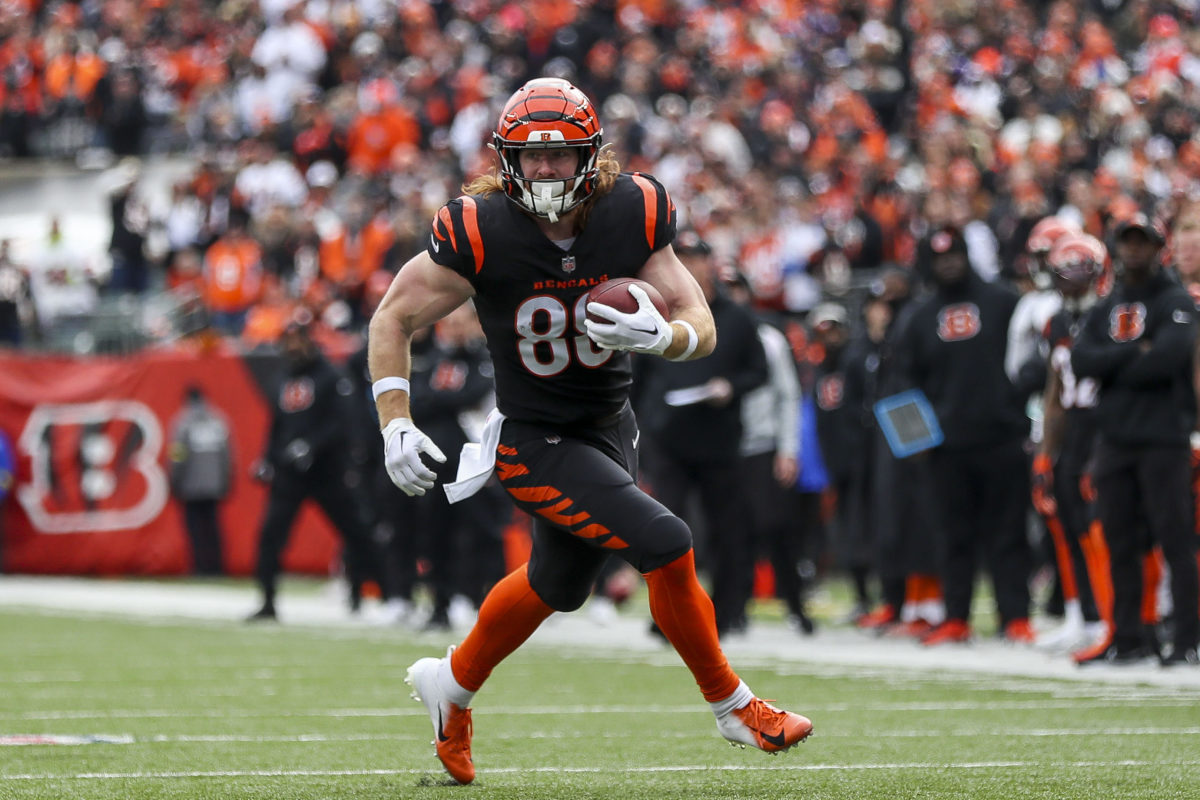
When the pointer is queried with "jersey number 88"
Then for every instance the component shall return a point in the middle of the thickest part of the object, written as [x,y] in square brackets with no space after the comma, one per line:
[542,320]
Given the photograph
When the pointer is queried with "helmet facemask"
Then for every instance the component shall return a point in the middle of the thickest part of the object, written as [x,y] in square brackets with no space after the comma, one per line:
[548,199]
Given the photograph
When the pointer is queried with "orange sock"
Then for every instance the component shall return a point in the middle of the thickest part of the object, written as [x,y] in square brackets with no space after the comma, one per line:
[684,613]
[510,614]
[1095,553]
[1062,554]
[931,589]
[1151,573]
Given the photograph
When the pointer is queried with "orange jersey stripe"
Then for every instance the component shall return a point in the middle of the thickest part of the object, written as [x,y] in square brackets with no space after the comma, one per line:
[592,531]
[505,450]
[553,513]
[535,494]
[651,198]
[444,216]
[507,471]
[471,222]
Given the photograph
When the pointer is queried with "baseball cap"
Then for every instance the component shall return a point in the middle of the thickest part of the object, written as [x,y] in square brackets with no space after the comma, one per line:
[688,242]
[732,276]
[945,239]
[827,314]
[321,174]
[1151,229]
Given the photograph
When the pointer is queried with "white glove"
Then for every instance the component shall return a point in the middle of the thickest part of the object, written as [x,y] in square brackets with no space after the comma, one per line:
[403,444]
[643,331]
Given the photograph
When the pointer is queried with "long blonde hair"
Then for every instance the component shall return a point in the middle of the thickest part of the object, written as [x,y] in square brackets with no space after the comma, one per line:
[607,170]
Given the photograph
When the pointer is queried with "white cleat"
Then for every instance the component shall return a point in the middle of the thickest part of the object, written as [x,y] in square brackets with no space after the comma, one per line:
[1063,639]
[761,725]
[451,724]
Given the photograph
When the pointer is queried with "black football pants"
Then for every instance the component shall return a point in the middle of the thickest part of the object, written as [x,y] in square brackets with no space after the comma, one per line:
[1073,510]
[779,529]
[204,531]
[1150,484]
[983,494]
[346,508]
[577,483]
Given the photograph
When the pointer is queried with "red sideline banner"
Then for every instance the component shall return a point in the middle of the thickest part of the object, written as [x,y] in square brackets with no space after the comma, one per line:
[91,495]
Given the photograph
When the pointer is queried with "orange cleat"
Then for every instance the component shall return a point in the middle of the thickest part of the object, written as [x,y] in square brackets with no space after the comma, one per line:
[883,615]
[949,632]
[1019,631]
[915,629]
[451,724]
[761,725]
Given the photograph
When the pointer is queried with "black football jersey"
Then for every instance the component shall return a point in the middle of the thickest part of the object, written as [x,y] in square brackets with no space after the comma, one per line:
[1075,393]
[531,294]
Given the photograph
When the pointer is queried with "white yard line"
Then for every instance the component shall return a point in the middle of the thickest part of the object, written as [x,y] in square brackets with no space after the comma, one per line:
[75,740]
[523,711]
[771,645]
[775,766]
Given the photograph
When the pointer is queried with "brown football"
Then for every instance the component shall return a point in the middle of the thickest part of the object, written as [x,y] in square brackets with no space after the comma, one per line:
[615,294]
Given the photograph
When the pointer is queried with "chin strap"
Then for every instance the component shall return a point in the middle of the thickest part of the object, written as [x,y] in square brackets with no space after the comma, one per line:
[548,200]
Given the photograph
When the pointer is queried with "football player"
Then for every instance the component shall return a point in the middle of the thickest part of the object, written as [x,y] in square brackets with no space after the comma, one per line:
[1075,263]
[526,242]
[1022,360]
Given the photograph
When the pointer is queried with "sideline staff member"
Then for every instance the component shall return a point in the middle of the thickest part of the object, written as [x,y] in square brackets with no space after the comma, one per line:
[307,457]
[1138,344]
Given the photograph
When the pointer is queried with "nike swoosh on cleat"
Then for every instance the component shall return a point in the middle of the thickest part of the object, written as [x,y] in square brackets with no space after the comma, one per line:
[442,737]
[776,740]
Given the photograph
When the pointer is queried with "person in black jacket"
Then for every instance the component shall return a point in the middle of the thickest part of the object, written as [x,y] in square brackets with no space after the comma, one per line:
[856,511]
[307,457]
[1138,344]
[463,540]
[397,517]
[690,412]
[954,349]
[898,504]
[842,437]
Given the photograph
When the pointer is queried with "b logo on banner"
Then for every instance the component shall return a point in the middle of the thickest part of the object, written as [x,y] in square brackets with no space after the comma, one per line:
[108,485]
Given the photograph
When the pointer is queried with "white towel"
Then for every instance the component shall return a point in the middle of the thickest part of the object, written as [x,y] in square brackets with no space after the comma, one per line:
[477,460]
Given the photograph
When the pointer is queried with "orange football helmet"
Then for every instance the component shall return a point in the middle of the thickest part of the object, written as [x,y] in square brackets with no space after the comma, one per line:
[1077,261]
[1045,233]
[548,113]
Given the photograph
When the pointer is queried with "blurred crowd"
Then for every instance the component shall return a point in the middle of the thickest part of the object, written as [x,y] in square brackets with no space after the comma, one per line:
[808,142]
[815,146]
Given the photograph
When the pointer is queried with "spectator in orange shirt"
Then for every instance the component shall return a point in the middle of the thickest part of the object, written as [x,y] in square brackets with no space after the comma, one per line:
[357,246]
[232,276]
[71,78]
[381,125]
[268,319]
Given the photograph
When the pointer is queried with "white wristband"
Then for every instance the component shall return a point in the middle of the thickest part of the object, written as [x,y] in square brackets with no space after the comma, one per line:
[389,385]
[693,340]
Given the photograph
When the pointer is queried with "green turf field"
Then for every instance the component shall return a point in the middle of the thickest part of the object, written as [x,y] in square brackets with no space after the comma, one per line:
[227,710]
